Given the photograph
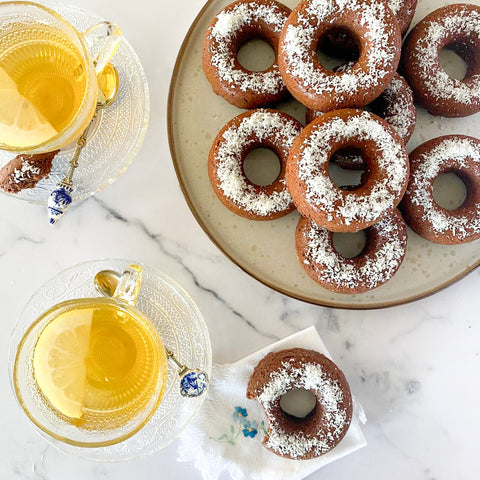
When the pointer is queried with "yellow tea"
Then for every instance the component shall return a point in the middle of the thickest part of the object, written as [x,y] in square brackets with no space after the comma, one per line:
[98,365]
[42,83]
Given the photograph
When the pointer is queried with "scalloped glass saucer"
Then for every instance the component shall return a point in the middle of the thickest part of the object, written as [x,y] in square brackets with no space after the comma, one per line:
[181,328]
[116,134]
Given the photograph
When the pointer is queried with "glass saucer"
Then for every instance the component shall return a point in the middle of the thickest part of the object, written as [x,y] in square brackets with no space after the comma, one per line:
[117,134]
[181,327]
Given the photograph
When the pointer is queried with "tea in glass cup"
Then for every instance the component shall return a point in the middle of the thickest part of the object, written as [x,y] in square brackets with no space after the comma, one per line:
[48,85]
[91,372]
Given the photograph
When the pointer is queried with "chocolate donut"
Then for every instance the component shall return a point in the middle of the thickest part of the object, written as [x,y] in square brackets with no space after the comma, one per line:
[404,11]
[339,44]
[382,256]
[458,154]
[385,179]
[376,31]
[256,128]
[231,28]
[324,427]
[395,105]
[456,27]
[25,171]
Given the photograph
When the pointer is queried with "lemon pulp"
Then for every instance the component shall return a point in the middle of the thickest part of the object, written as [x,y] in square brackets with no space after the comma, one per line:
[99,365]
[42,84]
[59,361]
[21,124]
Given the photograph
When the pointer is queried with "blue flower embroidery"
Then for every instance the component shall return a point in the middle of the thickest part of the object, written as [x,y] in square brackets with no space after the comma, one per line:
[239,414]
[250,429]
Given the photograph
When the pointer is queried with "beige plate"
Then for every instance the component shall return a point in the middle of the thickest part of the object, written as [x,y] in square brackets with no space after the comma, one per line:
[266,250]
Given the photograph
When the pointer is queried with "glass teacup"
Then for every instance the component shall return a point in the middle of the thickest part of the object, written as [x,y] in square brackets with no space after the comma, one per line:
[48,76]
[91,372]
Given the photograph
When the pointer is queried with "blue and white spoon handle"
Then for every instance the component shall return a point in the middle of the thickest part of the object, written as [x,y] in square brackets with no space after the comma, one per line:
[193,382]
[60,199]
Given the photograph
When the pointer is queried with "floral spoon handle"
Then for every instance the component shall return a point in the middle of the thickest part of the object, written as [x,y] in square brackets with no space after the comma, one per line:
[193,382]
[60,199]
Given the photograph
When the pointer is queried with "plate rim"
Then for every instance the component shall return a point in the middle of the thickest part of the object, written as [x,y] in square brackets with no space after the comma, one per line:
[251,273]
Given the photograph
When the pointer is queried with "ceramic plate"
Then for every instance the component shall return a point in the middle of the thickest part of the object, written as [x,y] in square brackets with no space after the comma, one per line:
[266,250]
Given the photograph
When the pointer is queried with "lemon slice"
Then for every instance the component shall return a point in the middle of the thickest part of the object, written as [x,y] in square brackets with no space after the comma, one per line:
[6,83]
[59,361]
[21,124]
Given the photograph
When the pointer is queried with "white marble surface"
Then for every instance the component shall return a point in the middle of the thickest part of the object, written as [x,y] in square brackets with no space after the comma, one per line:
[414,368]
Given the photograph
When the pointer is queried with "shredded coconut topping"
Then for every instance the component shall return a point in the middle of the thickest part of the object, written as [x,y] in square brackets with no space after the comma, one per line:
[454,151]
[399,112]
[259,126]
[226,26]
[396,5]
[309,376]
[399,107]
[298,41]
[322,194]
[465,22]
[26,172]
[374,269]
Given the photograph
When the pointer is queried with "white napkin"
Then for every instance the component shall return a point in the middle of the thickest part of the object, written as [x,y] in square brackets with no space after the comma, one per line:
[226,434]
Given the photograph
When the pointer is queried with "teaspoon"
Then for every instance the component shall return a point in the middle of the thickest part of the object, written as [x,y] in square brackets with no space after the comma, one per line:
[193,382]
[60,199]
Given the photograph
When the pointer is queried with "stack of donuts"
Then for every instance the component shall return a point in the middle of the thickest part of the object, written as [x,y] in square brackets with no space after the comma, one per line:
[359,115]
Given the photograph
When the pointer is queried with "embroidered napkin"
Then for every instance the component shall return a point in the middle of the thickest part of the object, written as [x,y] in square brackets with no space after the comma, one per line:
[227,433]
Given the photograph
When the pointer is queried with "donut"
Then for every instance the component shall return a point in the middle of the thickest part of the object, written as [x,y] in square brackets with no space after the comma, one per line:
[456,27]
[377,33]
[339,44]
[382,256]
[253,129]
[25,171]
[458,154]
[395,105]
[230,29]
[323,428]
[404,11]
[384,182]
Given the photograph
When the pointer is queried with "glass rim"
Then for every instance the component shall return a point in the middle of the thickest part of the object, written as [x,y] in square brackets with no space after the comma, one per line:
[88,60]
[21,325]
[133,311]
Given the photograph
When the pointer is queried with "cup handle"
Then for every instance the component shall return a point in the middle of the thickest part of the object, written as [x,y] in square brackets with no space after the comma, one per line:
[102,40]
[128,287]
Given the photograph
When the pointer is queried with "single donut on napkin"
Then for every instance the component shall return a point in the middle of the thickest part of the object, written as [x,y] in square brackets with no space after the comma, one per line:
[325,426]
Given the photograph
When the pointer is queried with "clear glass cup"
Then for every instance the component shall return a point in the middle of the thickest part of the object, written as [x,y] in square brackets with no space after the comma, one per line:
[120,415]
[95,47]
[177,320]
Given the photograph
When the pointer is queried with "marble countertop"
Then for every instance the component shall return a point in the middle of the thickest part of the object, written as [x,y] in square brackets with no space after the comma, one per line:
[414,368]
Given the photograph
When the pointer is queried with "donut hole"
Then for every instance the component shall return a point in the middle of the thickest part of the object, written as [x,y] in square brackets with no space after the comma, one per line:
[347,168]
[262,166]
[256,55]
[330,63]
[449,191]
[380,106]
[298,403]
[452,61]
[336,47]
[349,245]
